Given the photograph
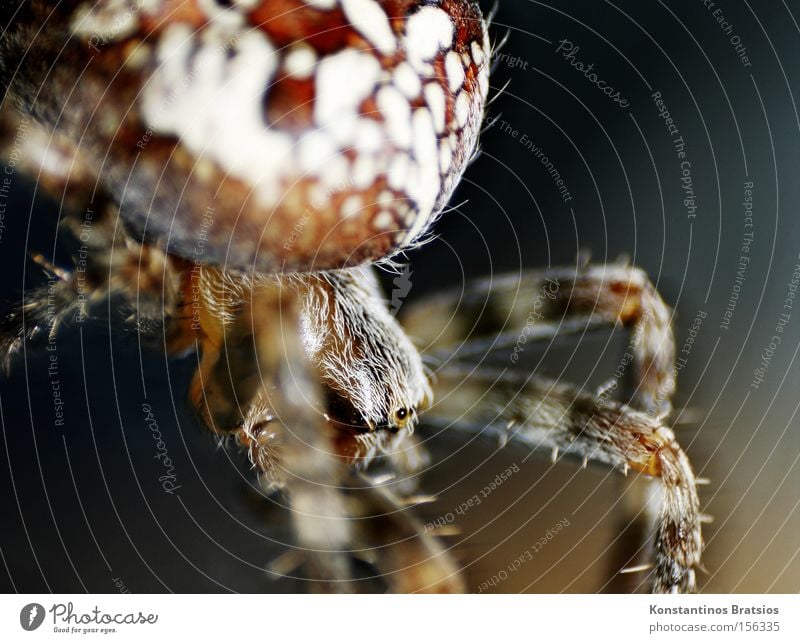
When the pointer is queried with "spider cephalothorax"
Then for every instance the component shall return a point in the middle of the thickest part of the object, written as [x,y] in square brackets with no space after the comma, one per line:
[232,169]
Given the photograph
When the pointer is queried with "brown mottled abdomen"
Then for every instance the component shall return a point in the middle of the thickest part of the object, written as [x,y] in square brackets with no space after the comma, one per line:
[280,135]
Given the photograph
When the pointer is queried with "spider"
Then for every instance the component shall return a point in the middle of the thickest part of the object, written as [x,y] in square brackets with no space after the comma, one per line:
[234,171]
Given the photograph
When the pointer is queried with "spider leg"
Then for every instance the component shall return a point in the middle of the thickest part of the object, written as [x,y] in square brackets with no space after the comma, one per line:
[146,281]
[545,414]
[507,311]
[410,559]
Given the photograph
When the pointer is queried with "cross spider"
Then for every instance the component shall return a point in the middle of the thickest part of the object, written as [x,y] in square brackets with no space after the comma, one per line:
[233,170]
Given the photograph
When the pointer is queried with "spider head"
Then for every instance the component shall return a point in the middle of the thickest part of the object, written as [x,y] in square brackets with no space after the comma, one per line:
[360,403]
[343,414]
[373,374]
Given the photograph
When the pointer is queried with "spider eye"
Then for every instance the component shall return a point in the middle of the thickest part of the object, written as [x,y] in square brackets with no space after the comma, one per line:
[401,417]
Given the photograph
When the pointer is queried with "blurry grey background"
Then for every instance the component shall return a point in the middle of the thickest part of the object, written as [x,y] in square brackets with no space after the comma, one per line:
[81,504]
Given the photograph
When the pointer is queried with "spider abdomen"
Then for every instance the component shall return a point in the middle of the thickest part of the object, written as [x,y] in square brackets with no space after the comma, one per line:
[311,135]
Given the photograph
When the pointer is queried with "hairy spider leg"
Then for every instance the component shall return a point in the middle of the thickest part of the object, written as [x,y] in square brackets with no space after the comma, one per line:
[459,327]
[491,313]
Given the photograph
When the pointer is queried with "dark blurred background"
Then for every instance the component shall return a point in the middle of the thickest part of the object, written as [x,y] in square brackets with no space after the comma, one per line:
[81,504]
